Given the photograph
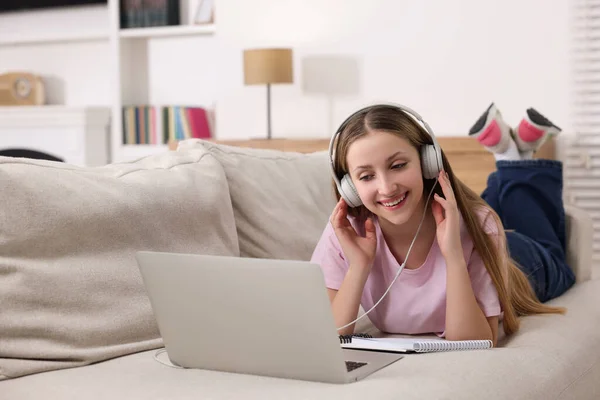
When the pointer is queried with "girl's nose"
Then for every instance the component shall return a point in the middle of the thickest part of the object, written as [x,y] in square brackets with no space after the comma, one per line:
[387,187]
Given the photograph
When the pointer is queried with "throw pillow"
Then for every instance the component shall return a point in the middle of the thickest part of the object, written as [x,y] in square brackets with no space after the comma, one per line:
[70,289]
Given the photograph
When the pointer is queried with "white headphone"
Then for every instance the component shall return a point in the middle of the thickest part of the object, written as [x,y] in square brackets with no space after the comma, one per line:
[431,155]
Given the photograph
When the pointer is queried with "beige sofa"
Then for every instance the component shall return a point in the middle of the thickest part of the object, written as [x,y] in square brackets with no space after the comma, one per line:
[75,321]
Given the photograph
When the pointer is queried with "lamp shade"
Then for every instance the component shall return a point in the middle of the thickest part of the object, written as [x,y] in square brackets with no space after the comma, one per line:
[265,66]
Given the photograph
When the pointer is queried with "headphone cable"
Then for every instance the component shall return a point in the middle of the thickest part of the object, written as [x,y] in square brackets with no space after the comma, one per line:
[401,266]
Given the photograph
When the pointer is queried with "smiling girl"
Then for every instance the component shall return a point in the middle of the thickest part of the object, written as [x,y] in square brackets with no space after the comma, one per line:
[457,279]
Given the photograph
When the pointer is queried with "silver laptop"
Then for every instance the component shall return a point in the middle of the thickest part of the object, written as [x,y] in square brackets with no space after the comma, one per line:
[252,316]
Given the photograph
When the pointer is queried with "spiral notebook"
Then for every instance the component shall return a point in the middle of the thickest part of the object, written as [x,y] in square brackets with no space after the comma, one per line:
[410,345]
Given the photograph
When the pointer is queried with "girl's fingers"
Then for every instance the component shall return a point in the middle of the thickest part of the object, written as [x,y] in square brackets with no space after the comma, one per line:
[338,217]
[336,221]
[334,213]
[338,206]
[441,201]
[446,186]
[438,214]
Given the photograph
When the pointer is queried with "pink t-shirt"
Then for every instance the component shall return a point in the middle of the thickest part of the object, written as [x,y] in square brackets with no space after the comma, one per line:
[416,303]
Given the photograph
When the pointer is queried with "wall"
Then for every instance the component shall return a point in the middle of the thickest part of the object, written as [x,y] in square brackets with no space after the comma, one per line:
[75,73]
[447,60]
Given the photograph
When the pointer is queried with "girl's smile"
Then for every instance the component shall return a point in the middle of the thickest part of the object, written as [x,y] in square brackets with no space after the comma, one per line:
[394,204]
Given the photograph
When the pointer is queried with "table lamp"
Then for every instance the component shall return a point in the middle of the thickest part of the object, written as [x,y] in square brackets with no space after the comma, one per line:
[266,67]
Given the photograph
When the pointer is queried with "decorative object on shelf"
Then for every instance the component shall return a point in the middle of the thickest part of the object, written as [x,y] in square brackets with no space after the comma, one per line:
[205,12]
[268,66]
[21,89]
[331,76]
[147,13]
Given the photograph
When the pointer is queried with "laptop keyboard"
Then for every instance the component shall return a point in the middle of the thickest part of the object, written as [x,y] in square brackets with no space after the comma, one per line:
[352,365]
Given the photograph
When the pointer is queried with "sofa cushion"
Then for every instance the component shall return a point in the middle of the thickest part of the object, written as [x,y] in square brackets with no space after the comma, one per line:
[281,200]
[70,289]
[552,357]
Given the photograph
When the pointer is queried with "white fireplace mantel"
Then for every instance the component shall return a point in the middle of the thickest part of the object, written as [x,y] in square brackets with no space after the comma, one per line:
[78,135]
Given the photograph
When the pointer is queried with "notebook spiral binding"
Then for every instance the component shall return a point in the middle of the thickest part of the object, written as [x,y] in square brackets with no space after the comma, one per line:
[450,346]
[348,338]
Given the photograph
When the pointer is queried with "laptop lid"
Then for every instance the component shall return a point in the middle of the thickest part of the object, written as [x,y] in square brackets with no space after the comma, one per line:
[244,315]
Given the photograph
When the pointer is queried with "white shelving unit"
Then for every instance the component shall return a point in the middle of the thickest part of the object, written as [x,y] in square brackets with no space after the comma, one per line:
[77,135]
[136,62]
[54,25]
[167,31]
[54,38]
[131,72]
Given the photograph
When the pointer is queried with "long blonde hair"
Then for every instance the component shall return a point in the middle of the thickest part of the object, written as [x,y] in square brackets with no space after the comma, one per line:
[515,292]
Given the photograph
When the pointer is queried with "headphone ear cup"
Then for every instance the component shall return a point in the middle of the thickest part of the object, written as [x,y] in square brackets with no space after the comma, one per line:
[431,161]
[349,193]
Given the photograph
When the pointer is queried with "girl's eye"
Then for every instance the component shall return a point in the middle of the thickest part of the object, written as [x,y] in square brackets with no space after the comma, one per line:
[365,178]
[398,166]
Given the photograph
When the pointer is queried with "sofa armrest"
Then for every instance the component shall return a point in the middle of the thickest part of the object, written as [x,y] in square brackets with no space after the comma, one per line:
[579,235]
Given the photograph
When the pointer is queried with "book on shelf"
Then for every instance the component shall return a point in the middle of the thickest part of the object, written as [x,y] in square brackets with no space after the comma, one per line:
[144,124]
[149,13]
[410,344]
[139,125]
[180,123]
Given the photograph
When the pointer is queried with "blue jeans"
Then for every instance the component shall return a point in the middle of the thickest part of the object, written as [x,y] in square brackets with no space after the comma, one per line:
[527,195]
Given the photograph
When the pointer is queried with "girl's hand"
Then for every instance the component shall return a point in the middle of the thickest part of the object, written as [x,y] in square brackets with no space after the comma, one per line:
[446,214]
[359,251]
